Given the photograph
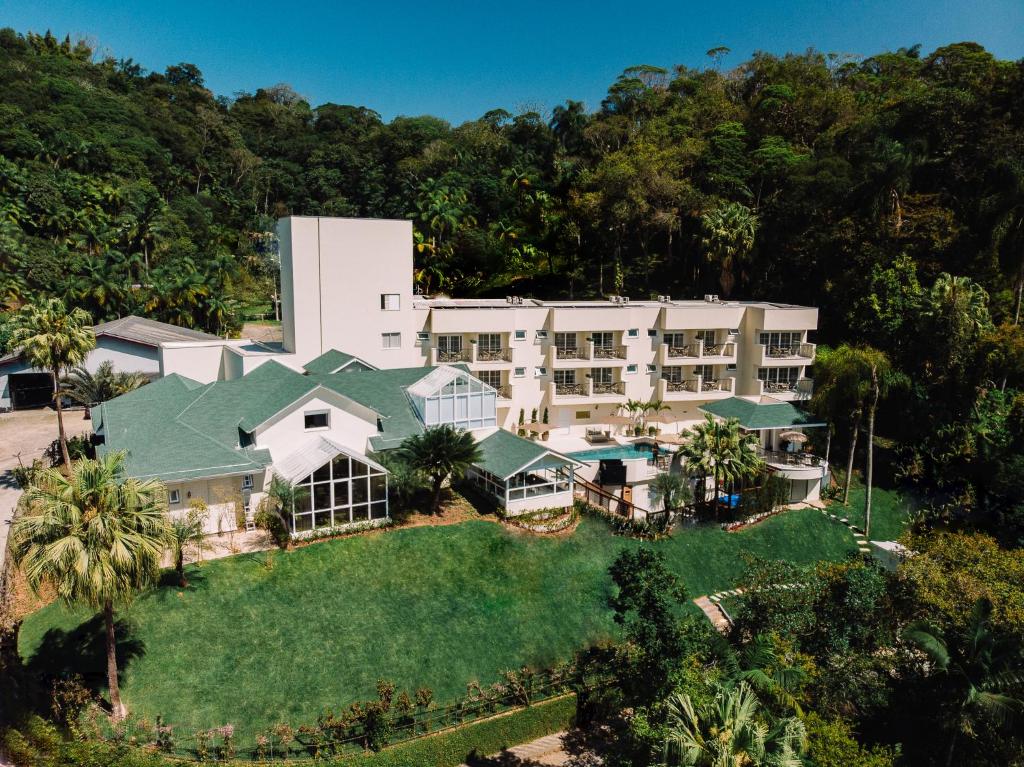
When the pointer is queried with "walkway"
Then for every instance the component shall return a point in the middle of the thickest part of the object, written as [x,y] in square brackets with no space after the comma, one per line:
[563,749]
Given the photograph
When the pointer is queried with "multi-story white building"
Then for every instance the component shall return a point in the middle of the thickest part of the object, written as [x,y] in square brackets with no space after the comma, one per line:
[350,316]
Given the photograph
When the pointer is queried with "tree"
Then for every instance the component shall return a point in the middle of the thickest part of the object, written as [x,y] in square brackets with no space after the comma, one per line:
[647,604]
[91,388]
[442,453]
[95,536]
[883,378]
[732,729]
[728,238]
[669,489]
[982,673]
[52,338]
[723,450]
[279,511]
[186,531]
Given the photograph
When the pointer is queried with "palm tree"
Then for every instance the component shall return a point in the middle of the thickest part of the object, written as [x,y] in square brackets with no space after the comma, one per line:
[730,730]
[670,490]
[283,497]
[841,386]
[95,536]
[91,388]
[983,673]
[721,449]
[729,233]
[441,452]
[883,379]
[52,338]
[768,672]
[186,531]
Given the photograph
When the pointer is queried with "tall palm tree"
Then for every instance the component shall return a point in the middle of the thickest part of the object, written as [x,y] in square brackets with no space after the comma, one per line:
[441,452]
[96,537]
[985,679]
[841,387]
[721,449]
[732,729]
[729,233]
[52,338]
[91,388]
[883,379]
[668,489]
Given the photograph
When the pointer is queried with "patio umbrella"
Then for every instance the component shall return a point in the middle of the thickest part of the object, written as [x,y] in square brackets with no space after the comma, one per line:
[793,436]
[670,439]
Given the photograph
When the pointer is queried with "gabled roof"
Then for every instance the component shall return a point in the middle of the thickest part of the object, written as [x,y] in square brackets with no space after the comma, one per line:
[314,454]
[143,330]
[763,413]
[334,361]
[504,455]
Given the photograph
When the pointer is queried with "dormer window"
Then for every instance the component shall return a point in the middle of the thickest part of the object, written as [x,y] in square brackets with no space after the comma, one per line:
[317,419]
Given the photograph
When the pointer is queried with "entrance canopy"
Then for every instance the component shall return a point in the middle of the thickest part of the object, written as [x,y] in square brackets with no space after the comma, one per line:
[758,413]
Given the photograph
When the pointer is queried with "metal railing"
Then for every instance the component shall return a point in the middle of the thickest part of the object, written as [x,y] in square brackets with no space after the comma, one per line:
[459,355]
[609,352]
[570,389]
[716,384]
[718,350]
[690,350]
[504,392]
[570,353]
[494,355]
[784,351]
[689,384]
[616,387]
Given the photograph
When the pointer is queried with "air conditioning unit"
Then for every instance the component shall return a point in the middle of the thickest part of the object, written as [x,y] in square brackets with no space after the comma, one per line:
[711,298]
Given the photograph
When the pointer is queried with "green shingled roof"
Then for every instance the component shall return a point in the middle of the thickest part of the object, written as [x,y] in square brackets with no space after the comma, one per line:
[177,428]
[333,361]
[754,415]
[503,454]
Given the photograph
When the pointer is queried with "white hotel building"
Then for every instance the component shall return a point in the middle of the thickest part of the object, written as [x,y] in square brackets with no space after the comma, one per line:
[349,309]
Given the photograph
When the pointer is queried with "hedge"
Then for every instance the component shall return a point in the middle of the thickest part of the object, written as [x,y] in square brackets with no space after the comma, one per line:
[451,748]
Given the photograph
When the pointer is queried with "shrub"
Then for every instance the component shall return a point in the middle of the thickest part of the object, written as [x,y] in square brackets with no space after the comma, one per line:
[79,447]
[26,475]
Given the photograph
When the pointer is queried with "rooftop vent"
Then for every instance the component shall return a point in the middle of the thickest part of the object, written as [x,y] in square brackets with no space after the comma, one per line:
[711,298]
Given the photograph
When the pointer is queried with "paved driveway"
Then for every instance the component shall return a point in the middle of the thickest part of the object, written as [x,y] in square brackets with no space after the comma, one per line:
[27,433]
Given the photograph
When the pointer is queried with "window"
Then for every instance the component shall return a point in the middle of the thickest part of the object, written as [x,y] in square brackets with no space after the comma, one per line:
[780,344]
[247,482]
[317,419]
[489,342]
[520,335]
[675,340]
[582,415]
[390,340]
[707,336]
[731,367]
[707,372]
[542,335]
[778,379]
[423,338]
[633,333]
[463,401]
[734,331]
[601,375]
[519,372]
[390,302]
[672,374]
[563,377]
[652,368]
[652,332]
[174,497]
[538,372]
[490,377]
[339,492]
[603,340]
[630,369]
[565,341]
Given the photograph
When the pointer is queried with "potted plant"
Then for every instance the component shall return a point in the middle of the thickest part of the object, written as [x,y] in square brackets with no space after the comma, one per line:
[544,420]
[522,420]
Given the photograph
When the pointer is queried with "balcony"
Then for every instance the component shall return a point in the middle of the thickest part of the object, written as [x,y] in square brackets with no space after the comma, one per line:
[609,352]
[716,384]
[445,357]
[725,350]
[697,388]
[794,465]
[785,354]
[801,388]
[570,390]
[599,389]
[571,353]
[504,392]
[683,352]
[685,385]
[493,355]
[696,351]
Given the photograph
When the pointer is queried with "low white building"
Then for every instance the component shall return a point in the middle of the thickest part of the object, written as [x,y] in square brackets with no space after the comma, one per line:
[131,344]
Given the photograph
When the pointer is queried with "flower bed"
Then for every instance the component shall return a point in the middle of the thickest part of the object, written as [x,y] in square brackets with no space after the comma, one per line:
[731,527]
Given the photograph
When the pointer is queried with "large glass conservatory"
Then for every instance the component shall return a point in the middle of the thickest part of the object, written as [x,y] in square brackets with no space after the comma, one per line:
[450,395]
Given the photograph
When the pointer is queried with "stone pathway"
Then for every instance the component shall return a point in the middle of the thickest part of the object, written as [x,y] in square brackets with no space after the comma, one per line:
[550,751]
[858,534]
[710,607]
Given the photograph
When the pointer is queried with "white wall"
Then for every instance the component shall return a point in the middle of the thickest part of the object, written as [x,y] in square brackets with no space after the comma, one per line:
[350,425]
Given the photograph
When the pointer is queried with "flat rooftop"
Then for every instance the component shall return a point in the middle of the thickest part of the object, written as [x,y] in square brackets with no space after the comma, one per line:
[444,302]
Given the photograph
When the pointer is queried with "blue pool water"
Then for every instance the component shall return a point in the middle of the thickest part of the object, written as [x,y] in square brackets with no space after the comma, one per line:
[624,452]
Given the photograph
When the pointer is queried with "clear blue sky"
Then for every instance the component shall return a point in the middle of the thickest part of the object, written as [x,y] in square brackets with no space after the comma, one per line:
[459,59]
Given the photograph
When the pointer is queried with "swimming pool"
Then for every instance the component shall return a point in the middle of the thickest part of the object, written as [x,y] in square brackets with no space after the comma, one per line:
[622,452]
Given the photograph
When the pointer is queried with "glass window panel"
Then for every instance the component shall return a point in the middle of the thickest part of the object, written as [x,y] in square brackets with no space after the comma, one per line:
[461,407]
[359,469]
[361,513]
[303,522]
[379,487]
[304,503]
[447,414]
[323,473]
[305,480]
[322,519]
[378,510]
[341,493]
[342,516]
[321,496]
[340,467]
[360,490]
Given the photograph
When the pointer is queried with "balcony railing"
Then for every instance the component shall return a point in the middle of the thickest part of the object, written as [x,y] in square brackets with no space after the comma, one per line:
[609,352]
[494,355]
[570,353]
[570,390]
[614,387]
[689,384]
[718,350]
[690,350]
[783,458]
[800,385]
[716,384]
[790,351]
[459,355]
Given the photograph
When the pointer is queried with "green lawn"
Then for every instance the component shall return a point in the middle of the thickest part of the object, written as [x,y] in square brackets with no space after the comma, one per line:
[435,606]
[890,511]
